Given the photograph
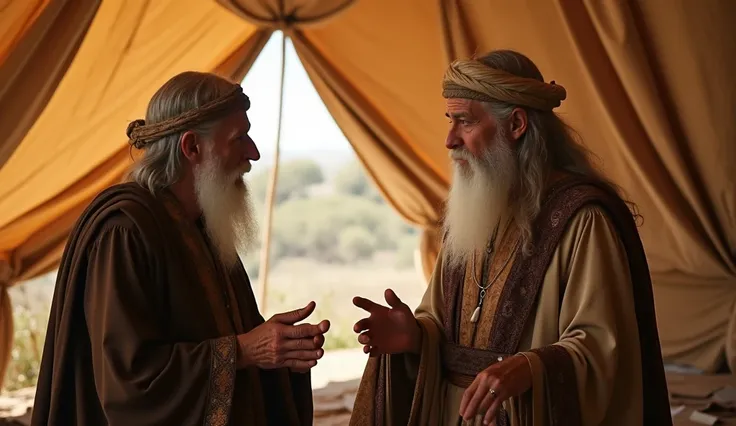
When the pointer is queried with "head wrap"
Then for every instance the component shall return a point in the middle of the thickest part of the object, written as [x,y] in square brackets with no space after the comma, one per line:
[141,134]
[472,79]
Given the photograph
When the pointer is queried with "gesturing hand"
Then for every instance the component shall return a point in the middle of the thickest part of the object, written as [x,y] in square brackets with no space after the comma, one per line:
[387,331]
[494,385]
[279,343]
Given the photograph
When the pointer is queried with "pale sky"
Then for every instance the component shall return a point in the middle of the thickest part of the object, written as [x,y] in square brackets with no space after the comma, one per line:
[307,127]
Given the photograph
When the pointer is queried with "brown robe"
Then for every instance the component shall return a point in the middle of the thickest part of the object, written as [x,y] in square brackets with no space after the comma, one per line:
[580,309]
[143,324]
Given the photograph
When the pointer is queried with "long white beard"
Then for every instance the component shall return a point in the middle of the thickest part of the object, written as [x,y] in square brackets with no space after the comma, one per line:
[478,197]
[227,209]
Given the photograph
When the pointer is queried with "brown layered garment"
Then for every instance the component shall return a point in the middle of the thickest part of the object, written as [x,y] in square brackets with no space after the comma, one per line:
[580,308]
[143,324]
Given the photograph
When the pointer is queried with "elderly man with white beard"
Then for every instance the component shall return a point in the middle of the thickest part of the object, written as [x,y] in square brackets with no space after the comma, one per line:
[153,320]
[540,308]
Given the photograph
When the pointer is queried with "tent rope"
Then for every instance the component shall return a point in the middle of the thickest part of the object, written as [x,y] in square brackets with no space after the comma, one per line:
[271,193]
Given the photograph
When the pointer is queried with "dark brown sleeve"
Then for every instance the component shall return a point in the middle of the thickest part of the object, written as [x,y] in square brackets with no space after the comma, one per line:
[143,378]
[561,386]
[301,388]
[370,402]
[412,383]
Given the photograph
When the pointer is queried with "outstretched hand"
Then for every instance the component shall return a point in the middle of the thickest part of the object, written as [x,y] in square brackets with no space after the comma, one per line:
[387,330]
[279,343]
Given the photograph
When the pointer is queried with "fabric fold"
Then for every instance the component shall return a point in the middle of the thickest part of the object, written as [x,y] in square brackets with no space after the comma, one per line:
[560,389]
[391,394]
[121,347]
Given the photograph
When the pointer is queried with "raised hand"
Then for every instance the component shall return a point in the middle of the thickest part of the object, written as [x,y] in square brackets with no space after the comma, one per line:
[279,343]
[387,330]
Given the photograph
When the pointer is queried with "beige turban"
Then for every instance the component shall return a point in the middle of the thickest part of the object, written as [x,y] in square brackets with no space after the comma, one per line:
[141,134]
[471,79]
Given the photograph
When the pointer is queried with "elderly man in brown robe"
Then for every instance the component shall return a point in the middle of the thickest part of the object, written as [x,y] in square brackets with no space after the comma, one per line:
[540,308]
[153,320]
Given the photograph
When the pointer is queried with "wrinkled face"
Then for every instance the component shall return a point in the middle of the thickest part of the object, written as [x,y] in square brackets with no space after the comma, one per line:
[232,145]
[485,168]
[471,131]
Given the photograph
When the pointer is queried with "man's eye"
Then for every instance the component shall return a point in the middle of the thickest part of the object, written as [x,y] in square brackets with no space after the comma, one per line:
[460,122]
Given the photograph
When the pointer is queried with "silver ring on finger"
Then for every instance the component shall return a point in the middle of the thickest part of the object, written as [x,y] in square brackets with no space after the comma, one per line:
[492,392]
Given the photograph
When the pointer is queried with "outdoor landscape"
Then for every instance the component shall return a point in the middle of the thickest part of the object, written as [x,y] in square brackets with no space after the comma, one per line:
[333,238]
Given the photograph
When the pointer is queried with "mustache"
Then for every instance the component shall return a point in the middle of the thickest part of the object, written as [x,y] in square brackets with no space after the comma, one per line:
[240,172]
[461,154]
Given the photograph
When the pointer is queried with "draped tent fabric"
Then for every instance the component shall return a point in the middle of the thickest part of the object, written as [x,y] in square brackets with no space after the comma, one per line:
[38,40]
[649,90]
[283,14]
[678,138]
[78,145]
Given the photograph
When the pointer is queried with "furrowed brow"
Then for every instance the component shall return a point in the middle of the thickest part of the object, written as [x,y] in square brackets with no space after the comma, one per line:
[457,115]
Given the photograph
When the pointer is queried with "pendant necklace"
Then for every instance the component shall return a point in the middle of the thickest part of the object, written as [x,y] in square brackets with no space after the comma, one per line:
[483,289]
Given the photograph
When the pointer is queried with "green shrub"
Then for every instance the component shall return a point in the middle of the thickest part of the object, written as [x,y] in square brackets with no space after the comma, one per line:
[312,227]
[408,244]
[353,180]
[28,340]
[356,243]
[294,178]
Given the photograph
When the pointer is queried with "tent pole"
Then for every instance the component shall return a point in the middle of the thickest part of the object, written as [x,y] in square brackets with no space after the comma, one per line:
[271,193]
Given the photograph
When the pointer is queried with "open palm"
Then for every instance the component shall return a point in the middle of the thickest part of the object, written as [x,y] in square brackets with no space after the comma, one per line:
[387,330]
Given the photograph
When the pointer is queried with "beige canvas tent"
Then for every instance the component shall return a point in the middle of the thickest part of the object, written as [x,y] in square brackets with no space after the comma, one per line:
[650,87]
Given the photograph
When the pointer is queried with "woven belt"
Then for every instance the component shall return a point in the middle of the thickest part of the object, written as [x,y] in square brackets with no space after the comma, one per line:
[461,364]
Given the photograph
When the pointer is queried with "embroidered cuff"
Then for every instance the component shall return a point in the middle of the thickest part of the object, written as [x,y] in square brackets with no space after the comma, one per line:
[222,381]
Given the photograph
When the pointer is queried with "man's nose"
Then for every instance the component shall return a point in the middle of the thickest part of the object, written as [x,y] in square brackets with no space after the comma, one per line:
[452,141]
[251,152]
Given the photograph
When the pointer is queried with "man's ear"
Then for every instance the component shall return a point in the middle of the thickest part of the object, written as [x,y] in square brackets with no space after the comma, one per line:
[517,122]
[190,146]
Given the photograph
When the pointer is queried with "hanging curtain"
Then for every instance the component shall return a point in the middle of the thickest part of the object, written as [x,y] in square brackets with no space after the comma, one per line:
[38,40]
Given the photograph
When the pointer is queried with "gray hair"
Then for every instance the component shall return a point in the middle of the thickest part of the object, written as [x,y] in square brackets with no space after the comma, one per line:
[547,145]
[162,162]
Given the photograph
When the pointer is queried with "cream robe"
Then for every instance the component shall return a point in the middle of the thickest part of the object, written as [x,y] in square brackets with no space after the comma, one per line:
[597,325]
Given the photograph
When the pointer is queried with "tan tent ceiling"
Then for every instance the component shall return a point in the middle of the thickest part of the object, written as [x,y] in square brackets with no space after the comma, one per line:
[650,90]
